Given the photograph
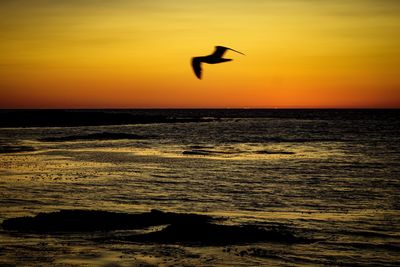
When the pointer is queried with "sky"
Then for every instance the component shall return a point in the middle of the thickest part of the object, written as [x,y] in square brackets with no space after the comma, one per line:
[137,54]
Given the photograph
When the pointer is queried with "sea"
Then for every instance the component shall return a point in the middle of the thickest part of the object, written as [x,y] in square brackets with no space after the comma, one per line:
[331,176]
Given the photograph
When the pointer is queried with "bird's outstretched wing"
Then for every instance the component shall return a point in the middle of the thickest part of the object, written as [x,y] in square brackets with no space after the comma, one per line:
[220,50]
[196,64]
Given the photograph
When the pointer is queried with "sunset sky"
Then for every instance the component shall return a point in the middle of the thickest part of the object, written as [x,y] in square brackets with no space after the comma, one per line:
[136,54]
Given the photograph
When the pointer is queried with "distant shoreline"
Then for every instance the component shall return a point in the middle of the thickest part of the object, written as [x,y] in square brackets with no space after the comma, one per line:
[11,118]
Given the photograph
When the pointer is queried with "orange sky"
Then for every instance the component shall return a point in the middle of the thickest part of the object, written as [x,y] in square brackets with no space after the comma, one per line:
[136,54]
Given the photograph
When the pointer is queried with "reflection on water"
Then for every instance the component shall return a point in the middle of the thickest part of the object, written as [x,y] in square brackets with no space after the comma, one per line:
[334,180]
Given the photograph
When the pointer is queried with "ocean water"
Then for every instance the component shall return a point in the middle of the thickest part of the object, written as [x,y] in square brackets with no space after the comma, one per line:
[332,176]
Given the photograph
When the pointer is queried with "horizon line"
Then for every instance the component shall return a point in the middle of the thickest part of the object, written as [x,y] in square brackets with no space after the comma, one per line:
[204,108]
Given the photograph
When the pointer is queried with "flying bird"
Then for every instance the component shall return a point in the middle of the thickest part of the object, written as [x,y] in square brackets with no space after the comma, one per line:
[214,58]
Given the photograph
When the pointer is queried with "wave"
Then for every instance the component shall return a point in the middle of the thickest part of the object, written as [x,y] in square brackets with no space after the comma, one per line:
[211,151]
[15,149]
[262,139]
[369,245]
[95,136]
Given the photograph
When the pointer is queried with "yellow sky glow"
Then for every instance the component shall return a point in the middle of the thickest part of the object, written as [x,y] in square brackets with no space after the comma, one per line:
[136,54]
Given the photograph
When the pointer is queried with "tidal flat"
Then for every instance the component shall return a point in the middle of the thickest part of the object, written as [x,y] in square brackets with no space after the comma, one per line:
[203,188]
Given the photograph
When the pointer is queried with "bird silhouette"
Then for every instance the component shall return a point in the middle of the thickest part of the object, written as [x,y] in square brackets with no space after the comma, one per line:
[214,58]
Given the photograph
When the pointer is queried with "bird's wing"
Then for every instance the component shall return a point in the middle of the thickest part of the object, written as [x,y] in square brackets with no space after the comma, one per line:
[196,64]
[236,51]
[219,51]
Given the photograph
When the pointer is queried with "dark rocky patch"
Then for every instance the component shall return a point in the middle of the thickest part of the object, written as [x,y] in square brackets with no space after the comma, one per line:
[15,149]
[93,136]
[181,228]
[271,152]
[203,152]
[209,234]
[90,220]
